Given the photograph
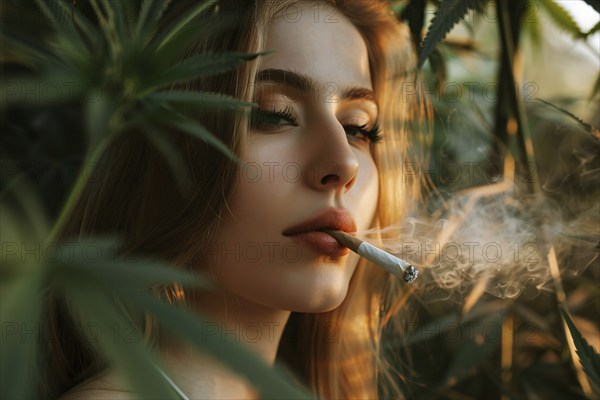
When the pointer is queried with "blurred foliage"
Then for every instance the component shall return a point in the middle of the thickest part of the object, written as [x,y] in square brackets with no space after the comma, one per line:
[70,87]
[480,346]
[123,54]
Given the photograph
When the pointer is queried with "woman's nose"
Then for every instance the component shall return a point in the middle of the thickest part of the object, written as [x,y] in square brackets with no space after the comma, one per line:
[333,164]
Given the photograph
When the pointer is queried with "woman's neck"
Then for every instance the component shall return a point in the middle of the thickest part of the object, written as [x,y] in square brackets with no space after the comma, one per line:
[234,320]
[197,374]
[231,320]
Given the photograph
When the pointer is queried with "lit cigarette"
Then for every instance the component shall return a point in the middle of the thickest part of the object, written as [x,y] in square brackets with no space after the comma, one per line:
[389,262]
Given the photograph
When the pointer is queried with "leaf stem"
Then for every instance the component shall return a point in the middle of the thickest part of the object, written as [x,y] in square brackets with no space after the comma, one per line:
[521,130]
[77,190]
[561,297]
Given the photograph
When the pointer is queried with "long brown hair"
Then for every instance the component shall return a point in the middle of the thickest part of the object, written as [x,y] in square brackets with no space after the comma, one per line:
[337,353]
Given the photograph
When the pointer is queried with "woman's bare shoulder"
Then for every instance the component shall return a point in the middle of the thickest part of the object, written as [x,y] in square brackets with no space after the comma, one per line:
[104,387]
[97,394]
[215,384]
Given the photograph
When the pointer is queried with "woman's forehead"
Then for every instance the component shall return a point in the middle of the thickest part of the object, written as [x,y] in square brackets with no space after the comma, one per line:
[328,51]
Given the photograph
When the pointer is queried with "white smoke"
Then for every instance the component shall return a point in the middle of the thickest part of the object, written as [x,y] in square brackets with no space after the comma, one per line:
[495,237]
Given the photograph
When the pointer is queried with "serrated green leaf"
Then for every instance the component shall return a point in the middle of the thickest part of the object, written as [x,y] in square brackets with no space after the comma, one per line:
[271,382]
[183,40]
[172,156]
[414,14]
[584,125]
[63,24]
[562,18]
[106,19]
[438,69]
[20,43]
[33,223]
[20,308]
[446,16]
[81,21]
[590,360]
[187,37]
[204,99]
[116,15]
[131,358]
[147,22]
[195,129]
[14,230]
[198,66]
[105,264]
[131,14]
[185,21]
[97,117]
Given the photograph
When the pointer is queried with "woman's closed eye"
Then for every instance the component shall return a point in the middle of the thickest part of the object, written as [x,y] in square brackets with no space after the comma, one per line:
[360,132]
[274,120]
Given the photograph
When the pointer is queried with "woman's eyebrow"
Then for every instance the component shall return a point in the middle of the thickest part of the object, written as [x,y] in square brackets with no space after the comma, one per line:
[304,83]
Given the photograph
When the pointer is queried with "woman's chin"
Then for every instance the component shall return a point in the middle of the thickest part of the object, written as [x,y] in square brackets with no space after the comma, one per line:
[315,299]
[322,306]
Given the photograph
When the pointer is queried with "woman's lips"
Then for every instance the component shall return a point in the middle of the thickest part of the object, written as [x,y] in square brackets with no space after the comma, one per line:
[322,243]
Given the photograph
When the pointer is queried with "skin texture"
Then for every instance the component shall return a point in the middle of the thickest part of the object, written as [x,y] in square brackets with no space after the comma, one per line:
[295,172]
[282,184]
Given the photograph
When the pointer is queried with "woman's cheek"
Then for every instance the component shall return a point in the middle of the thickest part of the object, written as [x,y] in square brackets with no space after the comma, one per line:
[366,191]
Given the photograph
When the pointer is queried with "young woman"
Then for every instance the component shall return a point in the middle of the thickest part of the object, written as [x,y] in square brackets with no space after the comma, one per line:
[339,117]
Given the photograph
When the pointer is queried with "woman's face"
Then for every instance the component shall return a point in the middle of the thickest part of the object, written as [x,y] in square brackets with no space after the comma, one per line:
[306,160]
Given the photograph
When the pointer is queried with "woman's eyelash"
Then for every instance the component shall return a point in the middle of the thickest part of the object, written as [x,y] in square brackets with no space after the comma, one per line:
[269,119]
[374,134]
[262,119]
